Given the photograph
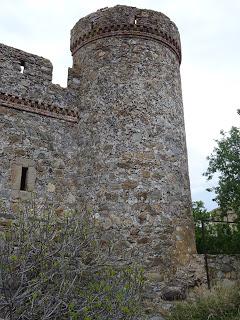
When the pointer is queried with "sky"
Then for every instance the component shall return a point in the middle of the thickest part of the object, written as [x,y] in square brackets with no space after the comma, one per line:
[210,69]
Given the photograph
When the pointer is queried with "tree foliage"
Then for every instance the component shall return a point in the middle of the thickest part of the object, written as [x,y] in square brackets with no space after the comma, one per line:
[225,161]
[53,267]
[199,211]
[218,237]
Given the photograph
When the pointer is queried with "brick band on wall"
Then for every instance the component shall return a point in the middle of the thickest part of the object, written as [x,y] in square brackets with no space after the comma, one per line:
[125,30]
[41,108]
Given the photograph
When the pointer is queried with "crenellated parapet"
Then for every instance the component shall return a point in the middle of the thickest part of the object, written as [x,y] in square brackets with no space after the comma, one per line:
[126,22]
[38,148]
[26,84]
[17,65]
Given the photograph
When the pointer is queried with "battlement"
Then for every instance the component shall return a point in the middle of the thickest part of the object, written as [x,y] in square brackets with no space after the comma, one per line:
[126,21]
[26,84]
[18,64]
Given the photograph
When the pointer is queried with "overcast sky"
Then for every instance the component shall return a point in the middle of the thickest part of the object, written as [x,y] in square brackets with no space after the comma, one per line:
[210,33]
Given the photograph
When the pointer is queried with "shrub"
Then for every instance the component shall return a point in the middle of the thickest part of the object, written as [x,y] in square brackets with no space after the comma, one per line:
[53,267]
[219,304]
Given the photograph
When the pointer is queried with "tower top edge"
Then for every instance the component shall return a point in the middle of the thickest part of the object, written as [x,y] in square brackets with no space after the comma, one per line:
[131,19]
[124,14]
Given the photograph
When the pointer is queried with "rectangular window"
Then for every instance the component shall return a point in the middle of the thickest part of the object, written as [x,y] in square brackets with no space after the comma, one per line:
[23,176]
[22,66]
[23,185]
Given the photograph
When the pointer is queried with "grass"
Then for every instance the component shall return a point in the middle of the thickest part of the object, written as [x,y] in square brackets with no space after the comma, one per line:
[221,303]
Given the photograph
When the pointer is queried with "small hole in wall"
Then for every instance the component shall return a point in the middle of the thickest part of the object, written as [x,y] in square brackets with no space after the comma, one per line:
[22,66]
[92,25]
[135,20]
[23,185]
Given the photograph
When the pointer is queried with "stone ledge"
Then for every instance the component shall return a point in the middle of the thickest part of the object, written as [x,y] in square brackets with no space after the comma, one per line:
[128,30]
[44,109]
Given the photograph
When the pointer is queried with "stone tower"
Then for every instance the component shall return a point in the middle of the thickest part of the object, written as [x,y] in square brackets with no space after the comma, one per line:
[112,142]
[133,170]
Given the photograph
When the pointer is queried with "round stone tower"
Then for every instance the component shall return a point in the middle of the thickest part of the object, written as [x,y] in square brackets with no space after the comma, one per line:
[133,167]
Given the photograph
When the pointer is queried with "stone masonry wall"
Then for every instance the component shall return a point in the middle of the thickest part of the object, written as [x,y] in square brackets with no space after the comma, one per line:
[38,125]
[45,144]
[224,267]
[134,172]
[34,82]
[112,142]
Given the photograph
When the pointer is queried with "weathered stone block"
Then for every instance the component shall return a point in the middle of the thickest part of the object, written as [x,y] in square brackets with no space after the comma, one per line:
[31,178]
[174,293]
[16,171]
[129,184]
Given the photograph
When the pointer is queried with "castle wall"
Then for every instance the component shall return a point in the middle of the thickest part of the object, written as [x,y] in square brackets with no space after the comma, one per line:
[134,173]
[38,125]
[35,80]
[224,267]
[112,142]
[45,144]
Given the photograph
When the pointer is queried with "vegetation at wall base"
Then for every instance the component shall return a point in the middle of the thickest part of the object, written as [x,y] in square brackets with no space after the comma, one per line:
[221,303]
[52,267]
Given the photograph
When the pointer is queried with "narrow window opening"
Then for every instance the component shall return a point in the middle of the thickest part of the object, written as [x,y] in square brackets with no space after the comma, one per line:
[23,185]
[22,66]
[135,20]
[92,25]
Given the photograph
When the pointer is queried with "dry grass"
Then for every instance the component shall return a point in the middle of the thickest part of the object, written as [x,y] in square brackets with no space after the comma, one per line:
[221,303]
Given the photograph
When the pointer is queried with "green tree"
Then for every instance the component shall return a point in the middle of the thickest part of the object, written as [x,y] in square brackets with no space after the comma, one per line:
[225,162]
[199,211]
[219,237]
[201,214]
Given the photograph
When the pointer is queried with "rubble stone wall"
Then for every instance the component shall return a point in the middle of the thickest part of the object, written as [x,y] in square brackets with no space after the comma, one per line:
[38,125]
[45,144]
[34,82]
[134,171]
[113,141]
[224,266]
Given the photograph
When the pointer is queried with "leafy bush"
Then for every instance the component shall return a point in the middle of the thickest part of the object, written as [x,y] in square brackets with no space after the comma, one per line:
[52,267]
[219,304]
